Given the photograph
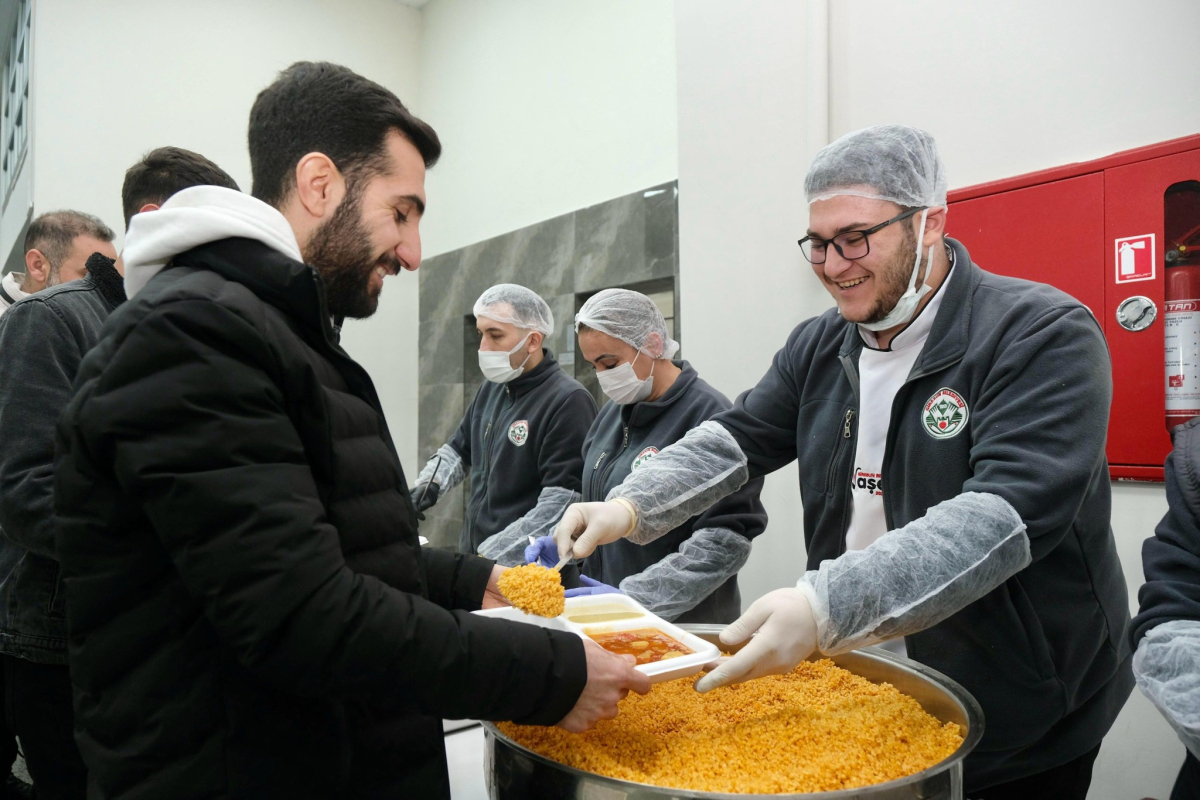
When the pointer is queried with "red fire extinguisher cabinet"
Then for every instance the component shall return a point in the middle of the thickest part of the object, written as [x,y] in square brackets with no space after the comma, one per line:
[1096,230]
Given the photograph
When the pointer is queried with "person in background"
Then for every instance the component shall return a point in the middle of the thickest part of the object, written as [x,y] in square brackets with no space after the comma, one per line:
[522,436]
[689,574]
[1166,630]
[163,172]
[250,613]
[57,247]
[43,339]
[949,427]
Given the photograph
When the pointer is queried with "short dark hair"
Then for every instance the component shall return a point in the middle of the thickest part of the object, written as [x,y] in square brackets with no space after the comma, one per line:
[163,172]
[318,107]
[53,232]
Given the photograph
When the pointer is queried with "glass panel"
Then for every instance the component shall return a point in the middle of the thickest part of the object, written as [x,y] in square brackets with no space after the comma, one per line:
[14,121]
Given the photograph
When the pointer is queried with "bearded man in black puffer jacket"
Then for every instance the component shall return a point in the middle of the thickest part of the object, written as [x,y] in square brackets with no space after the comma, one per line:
[249,612]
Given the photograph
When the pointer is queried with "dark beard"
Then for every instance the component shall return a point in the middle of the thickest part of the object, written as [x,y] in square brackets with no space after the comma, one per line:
[895,277]
[340,250]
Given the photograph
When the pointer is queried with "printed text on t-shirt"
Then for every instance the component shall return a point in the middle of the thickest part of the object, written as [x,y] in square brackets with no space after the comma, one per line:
[868,481]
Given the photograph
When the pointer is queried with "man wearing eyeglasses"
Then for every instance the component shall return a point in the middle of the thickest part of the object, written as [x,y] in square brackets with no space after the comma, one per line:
[949,425]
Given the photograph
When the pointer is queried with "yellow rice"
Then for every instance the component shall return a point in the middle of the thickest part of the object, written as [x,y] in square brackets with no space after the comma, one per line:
[533,589]
[818,728]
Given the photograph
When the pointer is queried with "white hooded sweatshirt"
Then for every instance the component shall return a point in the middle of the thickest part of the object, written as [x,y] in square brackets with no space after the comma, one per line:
[196,216]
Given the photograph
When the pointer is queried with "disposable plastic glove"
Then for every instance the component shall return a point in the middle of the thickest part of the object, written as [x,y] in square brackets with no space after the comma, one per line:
[586,526]
[787,634]
[591,587]
[424,496]
[544,551]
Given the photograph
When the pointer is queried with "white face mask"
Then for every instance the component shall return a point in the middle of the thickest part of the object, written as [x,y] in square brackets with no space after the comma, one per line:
[495,364]
[623,386]
[906,306]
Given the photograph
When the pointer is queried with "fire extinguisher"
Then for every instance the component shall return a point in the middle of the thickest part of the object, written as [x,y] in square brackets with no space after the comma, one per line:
[1182,333]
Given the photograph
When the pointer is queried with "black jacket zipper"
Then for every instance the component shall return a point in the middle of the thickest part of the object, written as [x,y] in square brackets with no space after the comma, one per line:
[847,431]
[598,476]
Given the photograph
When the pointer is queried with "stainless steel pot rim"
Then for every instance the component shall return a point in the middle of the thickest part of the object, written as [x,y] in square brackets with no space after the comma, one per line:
[974,733]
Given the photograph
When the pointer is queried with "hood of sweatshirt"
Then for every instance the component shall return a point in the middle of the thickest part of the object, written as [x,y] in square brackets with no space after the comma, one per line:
[196,216]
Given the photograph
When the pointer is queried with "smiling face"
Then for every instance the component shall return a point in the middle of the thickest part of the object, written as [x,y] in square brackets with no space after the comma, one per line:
[867,288]
[372,233]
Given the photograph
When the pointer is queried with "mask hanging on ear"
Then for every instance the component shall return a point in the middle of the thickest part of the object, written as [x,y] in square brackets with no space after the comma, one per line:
[623,386]
[906,306]
[495,364]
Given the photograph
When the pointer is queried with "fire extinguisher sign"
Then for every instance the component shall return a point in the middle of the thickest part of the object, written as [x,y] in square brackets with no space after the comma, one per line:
[1135,258]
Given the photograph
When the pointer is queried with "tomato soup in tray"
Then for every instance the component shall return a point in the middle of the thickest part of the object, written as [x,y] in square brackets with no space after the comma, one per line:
[647,645]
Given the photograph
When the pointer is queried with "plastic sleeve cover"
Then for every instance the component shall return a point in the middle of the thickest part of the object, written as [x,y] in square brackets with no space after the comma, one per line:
[677,583]
[1166,666]
[916,576]
[686,478]
[447,472]
[507,548]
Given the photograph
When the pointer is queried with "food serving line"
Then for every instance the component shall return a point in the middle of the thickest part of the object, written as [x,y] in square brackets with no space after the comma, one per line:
[917,713]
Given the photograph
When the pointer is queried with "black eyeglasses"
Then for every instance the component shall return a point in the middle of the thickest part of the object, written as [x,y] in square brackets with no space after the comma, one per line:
[850,245]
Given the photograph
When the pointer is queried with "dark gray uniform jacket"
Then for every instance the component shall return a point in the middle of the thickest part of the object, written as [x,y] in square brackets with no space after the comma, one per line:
[1171,557]
[1046,654]
[521,437]
[1171,560]
[43,338]
[620,440]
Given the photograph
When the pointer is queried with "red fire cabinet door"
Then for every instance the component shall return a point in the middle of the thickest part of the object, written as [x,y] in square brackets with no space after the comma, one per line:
[1134,194]
[1096,230]
[1052,233]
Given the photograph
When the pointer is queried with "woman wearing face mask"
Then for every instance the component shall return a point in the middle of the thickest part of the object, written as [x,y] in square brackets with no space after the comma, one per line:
[689,575]
[520,438]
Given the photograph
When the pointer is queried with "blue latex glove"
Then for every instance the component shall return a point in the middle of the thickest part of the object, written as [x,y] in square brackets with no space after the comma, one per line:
[591,587]
[543,551]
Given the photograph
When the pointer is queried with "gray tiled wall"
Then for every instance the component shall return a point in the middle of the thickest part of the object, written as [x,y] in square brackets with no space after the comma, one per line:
[628,240]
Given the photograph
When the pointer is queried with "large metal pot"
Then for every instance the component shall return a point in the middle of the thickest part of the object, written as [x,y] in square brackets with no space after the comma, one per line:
[516,773]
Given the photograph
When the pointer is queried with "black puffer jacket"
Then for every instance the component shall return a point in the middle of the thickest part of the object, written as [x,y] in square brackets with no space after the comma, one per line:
[249,612]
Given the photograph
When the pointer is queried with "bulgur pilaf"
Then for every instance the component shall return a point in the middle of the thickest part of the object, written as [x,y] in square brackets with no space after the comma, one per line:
[534,589]
[816,729]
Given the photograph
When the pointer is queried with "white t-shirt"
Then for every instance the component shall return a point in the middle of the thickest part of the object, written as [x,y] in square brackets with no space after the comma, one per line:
[881,373]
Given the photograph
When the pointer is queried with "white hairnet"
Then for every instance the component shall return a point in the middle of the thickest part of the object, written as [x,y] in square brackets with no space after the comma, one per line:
[885,162]
[631,317]
[516,305]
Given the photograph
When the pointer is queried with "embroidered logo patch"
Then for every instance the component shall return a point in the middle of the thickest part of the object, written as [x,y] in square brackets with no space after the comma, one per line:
[518,432]
[643,457]
[945,414]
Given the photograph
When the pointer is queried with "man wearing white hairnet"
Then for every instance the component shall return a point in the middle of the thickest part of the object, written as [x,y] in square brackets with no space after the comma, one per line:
[949,426]
[522,437]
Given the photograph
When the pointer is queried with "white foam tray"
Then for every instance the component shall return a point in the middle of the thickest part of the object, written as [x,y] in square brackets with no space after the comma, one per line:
[681,667]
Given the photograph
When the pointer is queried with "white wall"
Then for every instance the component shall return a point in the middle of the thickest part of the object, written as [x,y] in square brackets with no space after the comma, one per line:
[115,79]
[1005,87]
[743,282]
[543,107]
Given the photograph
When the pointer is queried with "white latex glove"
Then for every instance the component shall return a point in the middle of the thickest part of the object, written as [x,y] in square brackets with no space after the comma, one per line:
[787,634]
[586,526]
